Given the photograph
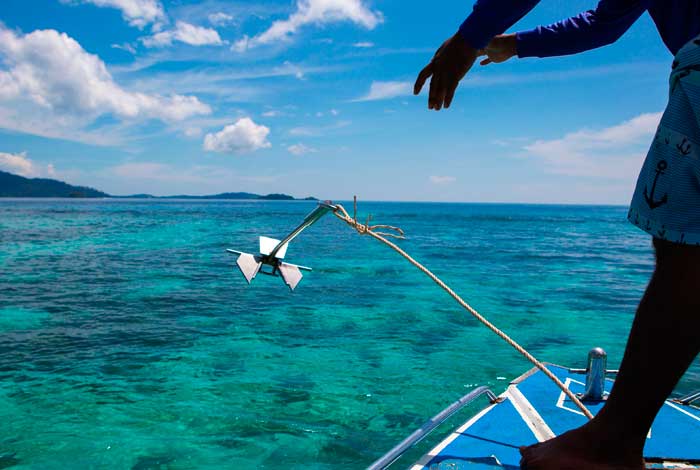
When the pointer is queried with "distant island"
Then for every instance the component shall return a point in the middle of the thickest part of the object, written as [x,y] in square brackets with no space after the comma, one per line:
[18,186]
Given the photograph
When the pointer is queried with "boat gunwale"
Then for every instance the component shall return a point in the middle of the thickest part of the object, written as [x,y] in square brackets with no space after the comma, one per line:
[421,463]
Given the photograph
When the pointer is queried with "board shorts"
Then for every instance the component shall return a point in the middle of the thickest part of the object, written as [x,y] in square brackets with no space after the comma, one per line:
[666,201]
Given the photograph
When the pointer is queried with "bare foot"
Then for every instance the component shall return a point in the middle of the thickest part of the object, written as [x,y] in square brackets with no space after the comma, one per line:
[580,449]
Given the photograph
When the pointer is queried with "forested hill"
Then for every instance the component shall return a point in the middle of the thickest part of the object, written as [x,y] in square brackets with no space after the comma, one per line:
[19,186]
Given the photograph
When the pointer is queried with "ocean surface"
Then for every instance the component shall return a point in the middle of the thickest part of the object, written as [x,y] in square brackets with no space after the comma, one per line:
[128,340]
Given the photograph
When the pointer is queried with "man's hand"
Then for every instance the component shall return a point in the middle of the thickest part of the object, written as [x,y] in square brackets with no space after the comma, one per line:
[449,65]
[500,49]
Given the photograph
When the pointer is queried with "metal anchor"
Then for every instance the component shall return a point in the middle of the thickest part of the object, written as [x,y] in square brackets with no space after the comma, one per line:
[273,251]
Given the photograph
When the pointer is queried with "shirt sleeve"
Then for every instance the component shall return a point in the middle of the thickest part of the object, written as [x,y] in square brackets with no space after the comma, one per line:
[491,18]
[588,30]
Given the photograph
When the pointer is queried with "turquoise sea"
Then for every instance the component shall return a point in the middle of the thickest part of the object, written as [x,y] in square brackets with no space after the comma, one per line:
[129,341]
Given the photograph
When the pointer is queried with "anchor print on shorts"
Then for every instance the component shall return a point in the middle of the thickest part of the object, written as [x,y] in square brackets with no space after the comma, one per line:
[685,147]
[662,232]
[649,197]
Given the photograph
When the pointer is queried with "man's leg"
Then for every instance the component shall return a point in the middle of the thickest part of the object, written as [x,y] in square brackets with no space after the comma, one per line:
[664,340]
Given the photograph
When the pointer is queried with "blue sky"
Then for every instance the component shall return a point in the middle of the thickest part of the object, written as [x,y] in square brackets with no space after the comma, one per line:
[311,97]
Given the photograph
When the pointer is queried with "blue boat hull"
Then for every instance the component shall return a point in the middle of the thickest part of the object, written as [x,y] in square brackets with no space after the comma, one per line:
[533,409]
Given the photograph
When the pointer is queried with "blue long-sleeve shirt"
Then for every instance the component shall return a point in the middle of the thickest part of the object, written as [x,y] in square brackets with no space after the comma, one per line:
[678,21]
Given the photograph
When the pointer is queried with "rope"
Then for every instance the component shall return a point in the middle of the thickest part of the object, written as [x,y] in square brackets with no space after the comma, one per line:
[395,232]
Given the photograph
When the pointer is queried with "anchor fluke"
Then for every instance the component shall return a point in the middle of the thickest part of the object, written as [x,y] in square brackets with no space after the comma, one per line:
[273,251]
[291,274]
[249,266]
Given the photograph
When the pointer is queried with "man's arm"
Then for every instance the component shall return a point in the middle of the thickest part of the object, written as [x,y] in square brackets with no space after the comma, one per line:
[456,56]
[491,18]
[452,61]
[589,30]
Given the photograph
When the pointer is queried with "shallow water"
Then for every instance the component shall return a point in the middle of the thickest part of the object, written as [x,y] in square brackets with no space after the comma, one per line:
[128,339]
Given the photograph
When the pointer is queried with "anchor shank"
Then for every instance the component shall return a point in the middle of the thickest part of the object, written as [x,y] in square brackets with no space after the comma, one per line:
[322,209]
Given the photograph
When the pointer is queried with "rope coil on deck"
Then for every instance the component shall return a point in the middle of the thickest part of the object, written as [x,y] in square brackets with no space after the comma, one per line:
[395,232]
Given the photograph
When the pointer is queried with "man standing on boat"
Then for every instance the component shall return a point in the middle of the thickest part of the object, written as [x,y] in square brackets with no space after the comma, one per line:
[665,336]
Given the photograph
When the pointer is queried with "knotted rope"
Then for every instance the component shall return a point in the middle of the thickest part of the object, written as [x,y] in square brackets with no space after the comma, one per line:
[366,229]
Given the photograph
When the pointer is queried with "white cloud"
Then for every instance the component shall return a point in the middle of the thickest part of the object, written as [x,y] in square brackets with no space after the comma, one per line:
[193,131]
[272,113]
[315,131]
[19,164]
[220,18]
[387,90]
[125,47]
[316,12]
[242,137]
[16,163]
[10,87]
[50,71]
[300,149]
[167,179]
[364,45]
[442,179]
[27,118]
[224,81]
[138,13]
[295,69]
[186,33]
[153,172]
[614,152]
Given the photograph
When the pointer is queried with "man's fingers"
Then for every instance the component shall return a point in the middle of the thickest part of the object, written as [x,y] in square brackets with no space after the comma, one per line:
[422,77]
[435,86]
[486,61]
[450,95]
[431,92]
[437,92]
[440,98]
